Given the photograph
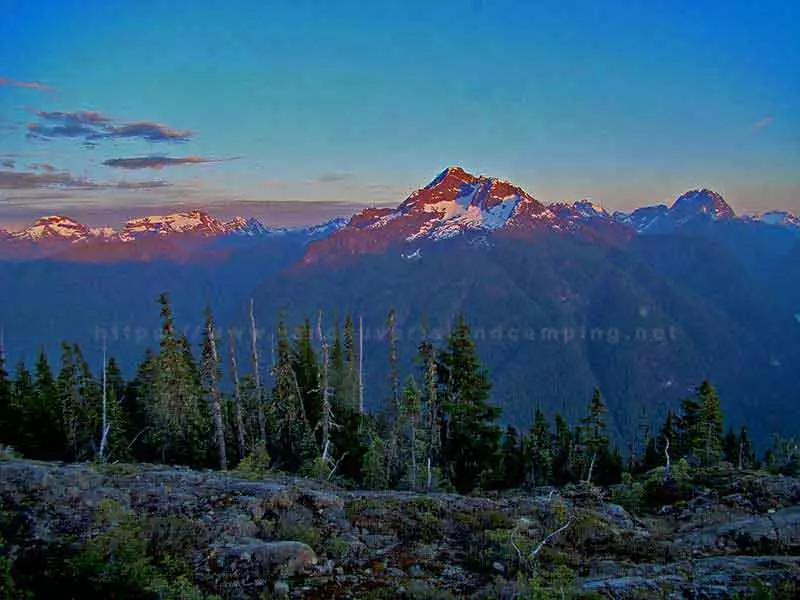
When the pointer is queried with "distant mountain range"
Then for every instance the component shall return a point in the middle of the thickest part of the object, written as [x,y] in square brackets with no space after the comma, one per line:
[562,297]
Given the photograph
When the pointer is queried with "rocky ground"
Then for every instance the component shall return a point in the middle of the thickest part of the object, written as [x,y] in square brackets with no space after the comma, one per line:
[737,534]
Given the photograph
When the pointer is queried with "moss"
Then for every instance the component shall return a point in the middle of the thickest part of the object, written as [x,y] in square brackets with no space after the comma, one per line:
[296,531]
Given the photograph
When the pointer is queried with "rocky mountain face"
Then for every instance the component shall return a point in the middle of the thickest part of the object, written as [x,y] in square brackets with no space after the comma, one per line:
[731,535]
[454,204]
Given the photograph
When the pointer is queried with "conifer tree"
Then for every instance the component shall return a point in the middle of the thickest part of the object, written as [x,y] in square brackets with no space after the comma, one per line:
[394,409]
[432,413]
[307,372]
[594,433]
[471,436]
[9,419]
[23,397]
[511,469]
[711,431]
[538,452]
[563,452]
[44,424]
[179,418]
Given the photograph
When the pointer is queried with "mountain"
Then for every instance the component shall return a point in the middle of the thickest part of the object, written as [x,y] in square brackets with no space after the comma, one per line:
[777,217]
[692,207]
[561,297]
[453,204]
[54,228]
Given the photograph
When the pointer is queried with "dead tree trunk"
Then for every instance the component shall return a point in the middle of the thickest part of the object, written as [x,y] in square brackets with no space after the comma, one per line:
[262,424]
[237,395]
[216,405]
[326,420]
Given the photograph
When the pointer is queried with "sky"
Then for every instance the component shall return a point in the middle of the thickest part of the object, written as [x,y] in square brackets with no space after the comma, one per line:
[295,111]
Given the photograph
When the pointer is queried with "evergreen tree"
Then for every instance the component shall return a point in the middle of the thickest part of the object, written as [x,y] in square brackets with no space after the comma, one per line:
[471,436]
[44,424]
[9,418]
[563,451]
[432,413]
[307,374]
[292,440]
[690,429]
[511,467]
[711,427]
[594,433]
[117,419]
[180,424]
[538,451]
[394,462]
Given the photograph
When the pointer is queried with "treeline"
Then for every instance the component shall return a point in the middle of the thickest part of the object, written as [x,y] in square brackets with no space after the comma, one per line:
[437,430]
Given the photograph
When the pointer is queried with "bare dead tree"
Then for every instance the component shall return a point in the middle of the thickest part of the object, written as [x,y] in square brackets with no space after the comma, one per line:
[262,424]
[237,394]
[105,427]
[361,365]
[213,379]
[326,420]
[669,463]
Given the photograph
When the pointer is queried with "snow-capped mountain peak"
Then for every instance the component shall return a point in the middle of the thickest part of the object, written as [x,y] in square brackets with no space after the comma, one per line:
[778,217]
[195,222]
[702,201]
[589,209]
[54,227]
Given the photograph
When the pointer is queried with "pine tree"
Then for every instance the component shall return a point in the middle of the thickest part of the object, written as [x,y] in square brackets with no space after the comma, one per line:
[711,427]
[9,419]
[292,442]
[538,452]
[307,373]
[393,411]
[117,420]
[413,445]
[594,433]
[471,435]
[23,399]
[690,429]
[511,468]
[432,411]
[179,419]
[746,458]
[47,439]
[563,451]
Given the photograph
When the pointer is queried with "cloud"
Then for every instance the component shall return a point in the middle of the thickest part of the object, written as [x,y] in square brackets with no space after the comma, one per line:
[159,161]
[32,85]
[94,126]
[46,167]
[25,180]
[334,177]
[763,122]
[151,132]
[7,164]
[62,180]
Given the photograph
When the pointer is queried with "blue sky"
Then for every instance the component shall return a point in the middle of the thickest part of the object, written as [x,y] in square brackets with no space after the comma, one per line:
[629,103]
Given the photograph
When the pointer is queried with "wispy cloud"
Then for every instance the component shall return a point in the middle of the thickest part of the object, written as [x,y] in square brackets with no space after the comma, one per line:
[94,126]
[46,167]
[763,122]
[334,177]
[159,161]
[62,180]
[31,85]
